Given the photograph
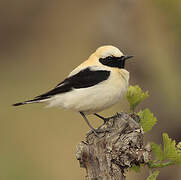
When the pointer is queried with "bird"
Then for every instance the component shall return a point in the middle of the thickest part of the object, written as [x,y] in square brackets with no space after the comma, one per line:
[95,85]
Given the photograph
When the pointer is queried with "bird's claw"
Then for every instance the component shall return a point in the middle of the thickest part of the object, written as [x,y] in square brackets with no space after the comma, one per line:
[106,120]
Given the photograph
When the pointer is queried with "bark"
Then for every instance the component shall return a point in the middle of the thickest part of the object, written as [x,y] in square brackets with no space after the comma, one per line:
[116,149]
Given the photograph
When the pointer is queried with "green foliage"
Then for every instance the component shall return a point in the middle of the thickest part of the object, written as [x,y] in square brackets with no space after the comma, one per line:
[179,147]
[135,168]
[166,155]
[135,96]
[170,154]
[147,120]
[153,175]
[157,150]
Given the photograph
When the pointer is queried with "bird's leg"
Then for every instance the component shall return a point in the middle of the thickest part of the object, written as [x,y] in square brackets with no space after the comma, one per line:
[86,120]
[101,117]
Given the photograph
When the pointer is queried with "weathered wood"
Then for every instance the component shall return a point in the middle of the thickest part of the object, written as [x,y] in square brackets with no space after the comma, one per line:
[121,145]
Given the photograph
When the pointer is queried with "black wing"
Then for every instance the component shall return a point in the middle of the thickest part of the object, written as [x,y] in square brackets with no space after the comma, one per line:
[84,79]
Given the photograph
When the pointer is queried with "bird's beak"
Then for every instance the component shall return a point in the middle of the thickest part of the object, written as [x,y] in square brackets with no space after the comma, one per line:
[122,61]
[126,57]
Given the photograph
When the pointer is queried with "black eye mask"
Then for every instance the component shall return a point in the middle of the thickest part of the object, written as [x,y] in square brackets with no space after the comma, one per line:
[117,62]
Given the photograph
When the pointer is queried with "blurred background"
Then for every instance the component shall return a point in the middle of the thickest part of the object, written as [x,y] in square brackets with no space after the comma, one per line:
[41,41]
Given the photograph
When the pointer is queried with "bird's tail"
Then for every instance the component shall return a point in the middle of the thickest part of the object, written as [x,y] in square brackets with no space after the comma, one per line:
[26,102]
[37,99]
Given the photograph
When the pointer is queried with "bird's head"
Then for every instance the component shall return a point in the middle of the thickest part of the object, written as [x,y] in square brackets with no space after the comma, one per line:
[111,56]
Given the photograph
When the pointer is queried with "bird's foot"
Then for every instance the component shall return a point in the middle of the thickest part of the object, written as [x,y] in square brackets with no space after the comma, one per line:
[106,120]
[103,118]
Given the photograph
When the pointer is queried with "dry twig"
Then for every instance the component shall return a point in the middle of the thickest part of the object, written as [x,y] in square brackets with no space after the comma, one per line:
[121,145]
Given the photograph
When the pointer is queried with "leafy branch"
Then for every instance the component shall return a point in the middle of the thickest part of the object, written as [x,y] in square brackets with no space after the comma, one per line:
[164,155]
[135,96]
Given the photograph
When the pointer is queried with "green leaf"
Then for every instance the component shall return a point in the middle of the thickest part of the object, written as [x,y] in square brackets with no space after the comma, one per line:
[179,147]
[153,175]
[171,151]
[135,96]
[147,120]
[160,164]
[135,168]
[157,150]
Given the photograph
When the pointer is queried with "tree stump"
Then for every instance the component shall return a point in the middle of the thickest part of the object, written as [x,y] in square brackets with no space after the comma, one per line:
[116,149]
